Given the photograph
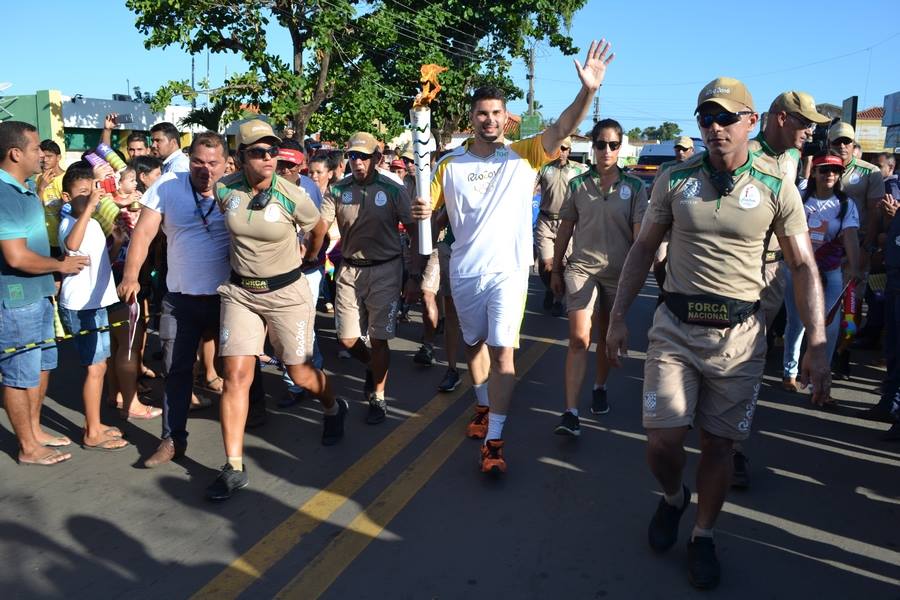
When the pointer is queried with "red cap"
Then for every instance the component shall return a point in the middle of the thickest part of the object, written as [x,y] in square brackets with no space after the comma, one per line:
[398,164]
[828,159]
[291,156]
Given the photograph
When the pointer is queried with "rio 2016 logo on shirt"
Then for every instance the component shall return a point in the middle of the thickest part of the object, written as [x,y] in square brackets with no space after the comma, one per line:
[749,197]
[481,182]
[625,192]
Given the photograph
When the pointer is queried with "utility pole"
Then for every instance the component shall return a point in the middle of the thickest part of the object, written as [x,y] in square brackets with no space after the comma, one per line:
[596,109]
[530,77]
[193,86]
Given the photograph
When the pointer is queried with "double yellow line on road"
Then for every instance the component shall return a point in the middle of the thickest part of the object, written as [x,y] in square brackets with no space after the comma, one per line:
[328,565]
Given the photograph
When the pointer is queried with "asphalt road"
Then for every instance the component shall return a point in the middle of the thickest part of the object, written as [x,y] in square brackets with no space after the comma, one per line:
[400,510]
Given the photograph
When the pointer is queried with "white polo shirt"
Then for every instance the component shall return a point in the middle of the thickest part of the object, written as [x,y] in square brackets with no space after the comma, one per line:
[489,205]
[197,253]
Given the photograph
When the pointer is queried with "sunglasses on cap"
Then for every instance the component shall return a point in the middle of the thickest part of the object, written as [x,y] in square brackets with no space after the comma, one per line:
[723,119]
[843,141]
[682,148]
[602,144]
[354,155]
[260,200]
[260,152]
[803,121]
[825,169]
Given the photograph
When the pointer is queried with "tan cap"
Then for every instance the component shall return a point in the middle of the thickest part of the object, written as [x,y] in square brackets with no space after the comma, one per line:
[566,143]
[254,130]
[362,142]
[407,152]
[841,130]
[684,141]
[727,92]
[800,103]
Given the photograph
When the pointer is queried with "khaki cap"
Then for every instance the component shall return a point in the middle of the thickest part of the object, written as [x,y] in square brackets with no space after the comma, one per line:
[841,130]
[684,141]
[362,142]
[407,152]
[566,143]
[800,103]
[727,92]
[254,130]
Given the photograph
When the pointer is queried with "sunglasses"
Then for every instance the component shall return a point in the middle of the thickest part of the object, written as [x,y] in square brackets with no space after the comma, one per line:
[260,200]
[842,142]
[827,170]
[723,119]
[260,152]
[358,156]
[681,148]
[602,145]
[803,121]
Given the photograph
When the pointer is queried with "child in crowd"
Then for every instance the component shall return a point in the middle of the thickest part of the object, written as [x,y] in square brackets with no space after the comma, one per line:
[83,298]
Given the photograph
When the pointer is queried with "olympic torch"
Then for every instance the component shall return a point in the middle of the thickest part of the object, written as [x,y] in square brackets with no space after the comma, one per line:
[424,144]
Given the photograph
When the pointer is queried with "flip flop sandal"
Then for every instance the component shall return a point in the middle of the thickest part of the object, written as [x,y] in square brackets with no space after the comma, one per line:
[42,461]
[214,385]
[104,446]
[66,445]
[152,412]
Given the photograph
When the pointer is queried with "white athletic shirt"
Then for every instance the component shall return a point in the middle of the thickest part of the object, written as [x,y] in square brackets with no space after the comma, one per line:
[92,287]
[489,205]
[197,254]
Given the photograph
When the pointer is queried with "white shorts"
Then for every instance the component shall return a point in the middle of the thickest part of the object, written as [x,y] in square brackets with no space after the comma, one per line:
[491,307]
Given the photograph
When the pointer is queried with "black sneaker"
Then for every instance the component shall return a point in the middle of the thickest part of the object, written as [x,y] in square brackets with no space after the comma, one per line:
[703,566]
[663,531]
[568,425]
[333,429]
[227,483]
[599,404]
[556,310]
[369,385]
[548,300]
[740,477]
[377,411]
[425,355]
[450,381]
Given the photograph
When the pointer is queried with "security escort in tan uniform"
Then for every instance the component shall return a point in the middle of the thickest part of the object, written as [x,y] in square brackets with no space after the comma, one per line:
[790,123]
[602,213]
[266,292]
[684,149]
[861,181]
[553,179]
[707,346]
[367,207]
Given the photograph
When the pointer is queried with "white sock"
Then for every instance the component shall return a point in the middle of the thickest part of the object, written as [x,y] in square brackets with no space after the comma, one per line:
[574,411]
[236,462]
[677,500]
[701,533]
[597,386]
[481,394]
[495,427]
[335,409]
[376,395]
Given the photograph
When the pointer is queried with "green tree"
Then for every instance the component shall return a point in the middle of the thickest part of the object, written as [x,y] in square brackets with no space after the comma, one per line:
[634,133]
[353,63]
[666,131]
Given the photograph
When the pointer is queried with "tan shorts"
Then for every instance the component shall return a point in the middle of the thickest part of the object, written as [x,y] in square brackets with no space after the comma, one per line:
[436,275]
[288,313]
[583,291]
[703,376]
[545,236]
[772,296]
[367,300]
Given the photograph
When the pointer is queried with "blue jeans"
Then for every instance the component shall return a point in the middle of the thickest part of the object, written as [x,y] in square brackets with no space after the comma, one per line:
[27,325]
[94,347]
[833,282]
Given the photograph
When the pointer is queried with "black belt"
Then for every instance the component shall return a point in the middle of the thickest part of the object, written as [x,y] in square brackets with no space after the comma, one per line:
[772,256]
[364,262]
[550,215]
[266,284]
[709,310]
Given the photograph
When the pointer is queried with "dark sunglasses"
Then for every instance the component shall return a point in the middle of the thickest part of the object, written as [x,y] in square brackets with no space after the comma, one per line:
[723,119]
[682,148]
[602,144]
[803,121]
[259,152]
[842,142]
[260,200]
[358,156]
[826,170]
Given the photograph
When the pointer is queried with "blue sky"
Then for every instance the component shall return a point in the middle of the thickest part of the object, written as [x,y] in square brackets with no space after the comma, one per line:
[663,55]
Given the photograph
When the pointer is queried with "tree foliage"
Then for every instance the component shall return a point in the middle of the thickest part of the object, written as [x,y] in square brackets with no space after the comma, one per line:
[667,131]
[634,133]
[353,64]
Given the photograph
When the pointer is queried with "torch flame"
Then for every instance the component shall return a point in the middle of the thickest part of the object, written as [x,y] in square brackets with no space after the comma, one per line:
[430,85]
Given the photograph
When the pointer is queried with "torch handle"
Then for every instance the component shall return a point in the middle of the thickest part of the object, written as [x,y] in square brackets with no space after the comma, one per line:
[421,136]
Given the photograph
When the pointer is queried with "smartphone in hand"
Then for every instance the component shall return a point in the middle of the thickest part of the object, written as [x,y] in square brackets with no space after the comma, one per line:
[124,118]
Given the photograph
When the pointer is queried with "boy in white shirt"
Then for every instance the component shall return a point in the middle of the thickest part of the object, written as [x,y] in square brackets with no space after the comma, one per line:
[83,298]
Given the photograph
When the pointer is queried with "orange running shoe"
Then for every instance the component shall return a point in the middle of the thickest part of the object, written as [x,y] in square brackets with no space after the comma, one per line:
[478,426]
[492,460]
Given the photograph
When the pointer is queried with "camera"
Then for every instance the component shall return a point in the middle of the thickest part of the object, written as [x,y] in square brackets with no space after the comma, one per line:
[819,142]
